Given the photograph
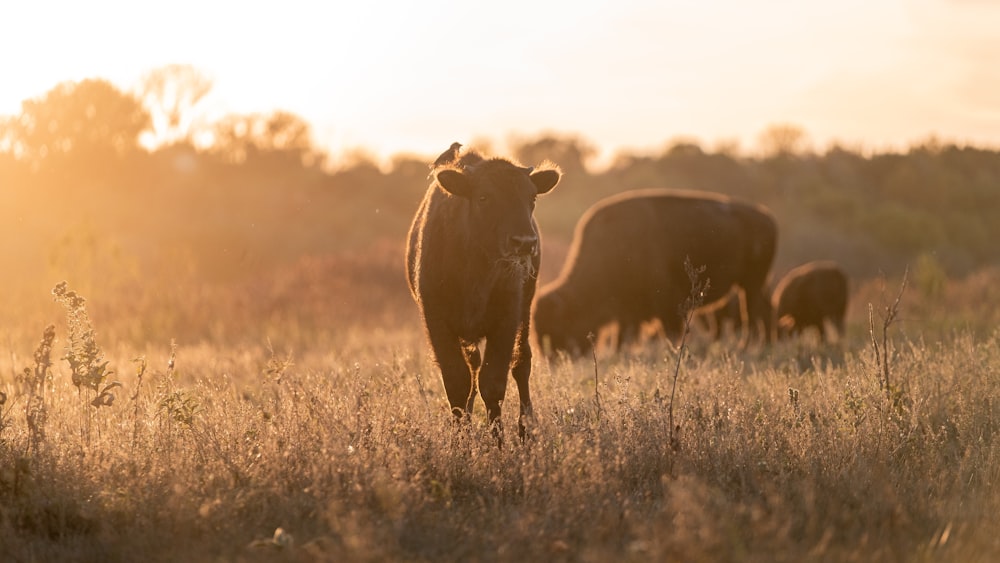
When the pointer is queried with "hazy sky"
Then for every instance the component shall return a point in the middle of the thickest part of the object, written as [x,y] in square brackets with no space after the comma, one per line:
[406,76]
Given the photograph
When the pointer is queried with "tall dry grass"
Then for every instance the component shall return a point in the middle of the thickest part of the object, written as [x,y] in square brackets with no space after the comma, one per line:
[346,451]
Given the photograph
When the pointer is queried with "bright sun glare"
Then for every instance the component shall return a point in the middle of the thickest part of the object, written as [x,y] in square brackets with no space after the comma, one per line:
[400,76]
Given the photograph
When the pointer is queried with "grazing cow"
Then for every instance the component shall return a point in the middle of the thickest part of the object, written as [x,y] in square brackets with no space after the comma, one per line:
[808,296]
[626,264]
[472,262]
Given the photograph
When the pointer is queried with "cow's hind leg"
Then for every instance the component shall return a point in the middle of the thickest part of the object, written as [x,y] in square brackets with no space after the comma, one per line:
[672,325]
[629,332]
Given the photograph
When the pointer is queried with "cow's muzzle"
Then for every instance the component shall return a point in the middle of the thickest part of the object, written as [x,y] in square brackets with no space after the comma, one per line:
[522,245]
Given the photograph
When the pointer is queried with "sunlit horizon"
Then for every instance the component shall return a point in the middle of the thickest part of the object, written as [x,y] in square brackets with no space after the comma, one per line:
[391,78]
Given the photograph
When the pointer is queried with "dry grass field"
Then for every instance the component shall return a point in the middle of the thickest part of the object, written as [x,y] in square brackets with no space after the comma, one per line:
[234,370]
[330,440]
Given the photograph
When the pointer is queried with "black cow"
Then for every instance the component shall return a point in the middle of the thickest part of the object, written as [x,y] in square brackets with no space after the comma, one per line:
[626,264]
[808,296]
[472,262]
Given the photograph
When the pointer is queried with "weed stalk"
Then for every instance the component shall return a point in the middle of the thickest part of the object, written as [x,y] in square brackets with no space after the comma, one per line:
[889,315]
[597,391]
[140,371]
[687,309]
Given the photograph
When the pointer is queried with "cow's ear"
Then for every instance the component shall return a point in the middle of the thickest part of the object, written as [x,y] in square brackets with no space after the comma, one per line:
[545,180]
[455,182]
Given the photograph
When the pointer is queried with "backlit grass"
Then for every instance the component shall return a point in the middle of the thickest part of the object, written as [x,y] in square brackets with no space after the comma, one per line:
[792,453]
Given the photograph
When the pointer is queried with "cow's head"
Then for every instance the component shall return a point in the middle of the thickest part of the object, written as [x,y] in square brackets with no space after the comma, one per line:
[501,199]
[785,327]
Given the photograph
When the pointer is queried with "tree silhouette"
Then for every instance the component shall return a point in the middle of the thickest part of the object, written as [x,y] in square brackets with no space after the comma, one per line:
[278,137]
[570,152]
[782,140]
[88,122]
[170,94]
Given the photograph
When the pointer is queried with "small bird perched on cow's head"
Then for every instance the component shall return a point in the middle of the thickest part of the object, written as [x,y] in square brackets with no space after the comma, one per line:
[449,156]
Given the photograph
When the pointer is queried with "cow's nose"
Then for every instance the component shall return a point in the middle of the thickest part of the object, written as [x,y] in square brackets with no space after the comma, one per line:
[522,244]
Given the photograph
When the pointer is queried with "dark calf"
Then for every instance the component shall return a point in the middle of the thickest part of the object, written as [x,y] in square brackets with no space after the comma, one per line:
[472,262]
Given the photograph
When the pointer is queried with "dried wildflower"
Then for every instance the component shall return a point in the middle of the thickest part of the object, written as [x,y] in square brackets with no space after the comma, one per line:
[35,379]
[105,398]
[42,373]
[36,415]
[276,366]
[173,355]
[180,406]
[86,359]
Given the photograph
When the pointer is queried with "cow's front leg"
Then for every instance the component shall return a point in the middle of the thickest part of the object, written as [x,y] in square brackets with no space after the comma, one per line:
[493,377]
[455,372]
[521,370]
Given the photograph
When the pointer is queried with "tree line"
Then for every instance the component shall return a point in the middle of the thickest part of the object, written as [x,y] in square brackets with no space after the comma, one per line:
[262,176]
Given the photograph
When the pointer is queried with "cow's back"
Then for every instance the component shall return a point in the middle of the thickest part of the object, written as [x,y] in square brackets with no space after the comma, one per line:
[638,242]
[811,293]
